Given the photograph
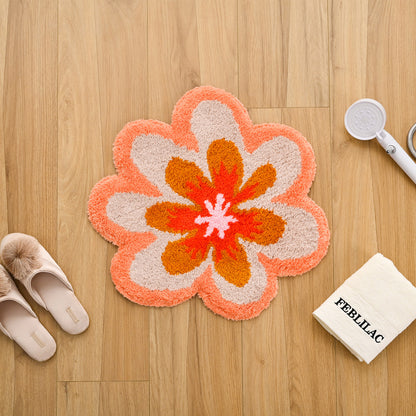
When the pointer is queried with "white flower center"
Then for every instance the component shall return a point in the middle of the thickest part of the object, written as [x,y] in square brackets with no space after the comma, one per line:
[217,219]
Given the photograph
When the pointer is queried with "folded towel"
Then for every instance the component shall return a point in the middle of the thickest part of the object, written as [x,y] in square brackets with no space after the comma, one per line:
[370,308]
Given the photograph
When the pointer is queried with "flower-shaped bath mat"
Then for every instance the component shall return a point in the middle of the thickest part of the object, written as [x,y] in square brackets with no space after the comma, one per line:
[210,205]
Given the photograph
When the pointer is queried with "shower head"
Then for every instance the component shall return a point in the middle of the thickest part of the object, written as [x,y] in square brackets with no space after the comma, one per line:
[365,118]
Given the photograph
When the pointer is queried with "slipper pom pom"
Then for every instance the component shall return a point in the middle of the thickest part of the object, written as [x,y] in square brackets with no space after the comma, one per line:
[20,256]
[5,284]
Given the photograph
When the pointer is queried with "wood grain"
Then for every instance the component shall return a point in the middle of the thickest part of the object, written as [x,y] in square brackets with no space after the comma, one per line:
[218,43]
[124,398]
[78,398]
[73,73]
[215,368]
[308,73]
[80,166]
[214,364]
[173,44]
[283,53]
[122,39]
[122,66]
[30,131]
[169,337]
[263,40]
[361,389]
[173,54]
[393,86]
[303,294]
[265,369]
[7,367]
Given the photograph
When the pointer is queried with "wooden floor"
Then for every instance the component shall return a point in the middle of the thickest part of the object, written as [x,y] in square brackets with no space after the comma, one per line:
[73,72]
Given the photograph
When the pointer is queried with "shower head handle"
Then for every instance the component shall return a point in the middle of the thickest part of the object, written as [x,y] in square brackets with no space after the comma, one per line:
[397,153]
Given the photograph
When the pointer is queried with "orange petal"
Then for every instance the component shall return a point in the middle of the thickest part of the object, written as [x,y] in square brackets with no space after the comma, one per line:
[225,165]
[264,177]
[261,226]
[184,177]
[178,258]
[172,217]
[235,268]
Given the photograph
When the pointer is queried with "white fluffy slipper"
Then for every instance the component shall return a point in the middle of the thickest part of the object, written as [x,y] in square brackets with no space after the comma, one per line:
[26,259]
[19,322]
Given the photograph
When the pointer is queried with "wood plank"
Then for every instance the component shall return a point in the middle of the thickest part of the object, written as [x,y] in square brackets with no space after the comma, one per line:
[78,398]
[263,41]
[361,389]
[265,375]
[30,119]
[121,29]
[124,398]
[217,40]
[80,166]
[30,131]
[214,363]
[173,69]
[169,337]
[308,74]
[391,25]
[191,373]
[173,54]
[310,354]
[122,66]
[215,368]
[283,53]
[6,345]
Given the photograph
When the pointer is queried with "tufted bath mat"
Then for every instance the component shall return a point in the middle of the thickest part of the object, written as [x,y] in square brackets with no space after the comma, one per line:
[210,205]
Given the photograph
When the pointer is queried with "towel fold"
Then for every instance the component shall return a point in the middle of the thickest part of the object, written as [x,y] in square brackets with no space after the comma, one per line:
[370,308]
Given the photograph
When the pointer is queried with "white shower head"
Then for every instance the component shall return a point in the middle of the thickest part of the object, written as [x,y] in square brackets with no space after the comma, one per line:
[365,118]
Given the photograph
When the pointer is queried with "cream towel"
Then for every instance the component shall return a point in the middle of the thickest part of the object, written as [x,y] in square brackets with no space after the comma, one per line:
[370,308]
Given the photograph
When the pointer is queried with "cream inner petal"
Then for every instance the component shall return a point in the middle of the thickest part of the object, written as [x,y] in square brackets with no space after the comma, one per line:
[285,156]
[301,235]
[128,210]
[253,290]
[212,120]
[148,271]
[152,153]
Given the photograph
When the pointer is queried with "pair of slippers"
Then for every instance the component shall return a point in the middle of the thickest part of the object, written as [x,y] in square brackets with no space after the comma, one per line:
[27,261]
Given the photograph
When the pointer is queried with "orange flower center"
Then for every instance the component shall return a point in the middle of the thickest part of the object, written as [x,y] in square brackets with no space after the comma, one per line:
[214,219]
